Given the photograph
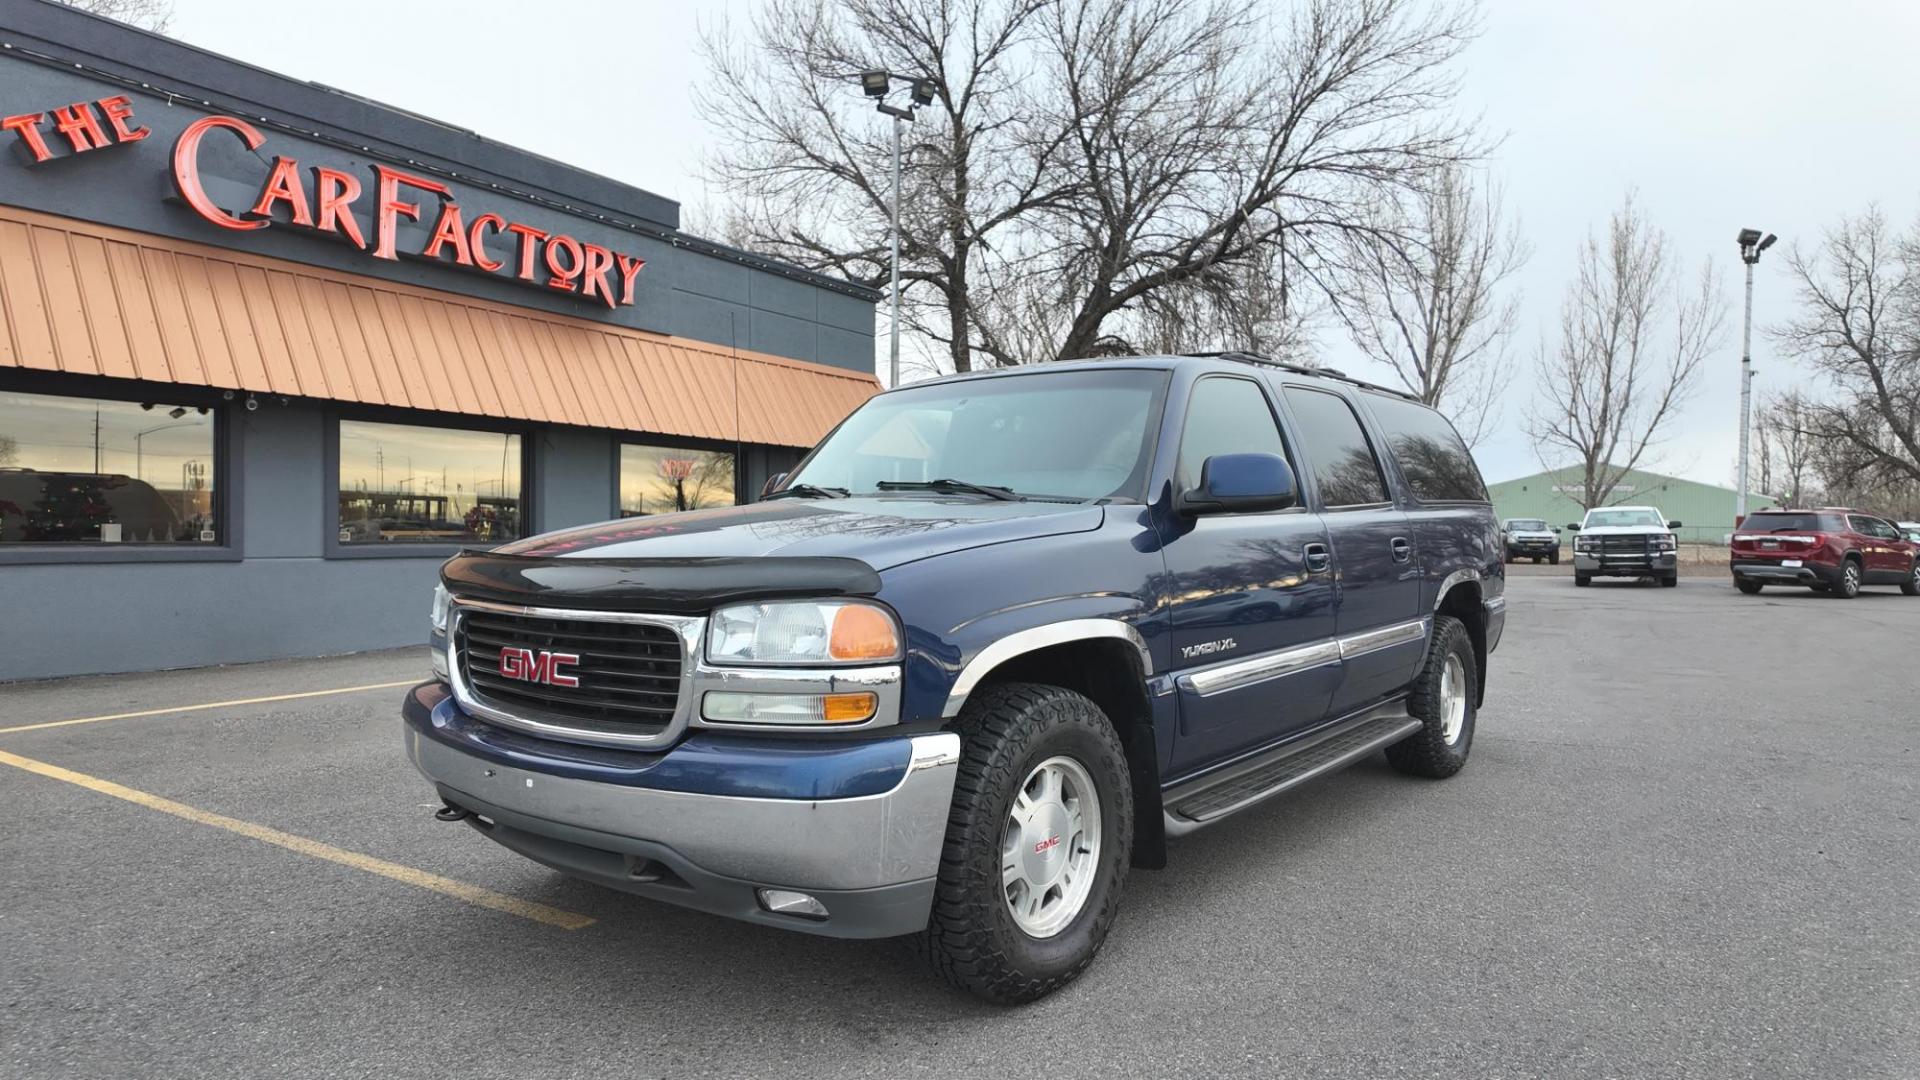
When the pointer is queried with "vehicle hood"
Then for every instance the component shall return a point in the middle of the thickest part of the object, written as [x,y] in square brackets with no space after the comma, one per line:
[881,531]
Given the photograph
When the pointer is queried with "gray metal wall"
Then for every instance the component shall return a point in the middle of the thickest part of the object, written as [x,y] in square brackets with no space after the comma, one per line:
[283,597]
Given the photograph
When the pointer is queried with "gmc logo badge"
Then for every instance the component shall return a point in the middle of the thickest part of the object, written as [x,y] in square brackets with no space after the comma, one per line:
[538,667]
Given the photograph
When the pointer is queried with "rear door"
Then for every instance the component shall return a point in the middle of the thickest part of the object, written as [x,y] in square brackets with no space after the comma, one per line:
[1377,569]
[1250,596]
[1885,556]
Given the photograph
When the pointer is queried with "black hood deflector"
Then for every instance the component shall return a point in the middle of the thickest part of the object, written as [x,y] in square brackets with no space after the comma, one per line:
[667,586]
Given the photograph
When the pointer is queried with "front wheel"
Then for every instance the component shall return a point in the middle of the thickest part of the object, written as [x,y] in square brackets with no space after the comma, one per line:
[1442,700]
[1582,580]
[1670,581]
[1911,586]
[1037,845]
[1553,559]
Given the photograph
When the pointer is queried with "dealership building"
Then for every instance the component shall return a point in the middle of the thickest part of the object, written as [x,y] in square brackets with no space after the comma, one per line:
[270,352]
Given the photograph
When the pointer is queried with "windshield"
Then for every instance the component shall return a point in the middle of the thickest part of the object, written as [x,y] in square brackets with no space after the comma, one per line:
[1068,435]
[1766,523]
[1526,525]
[1617,519]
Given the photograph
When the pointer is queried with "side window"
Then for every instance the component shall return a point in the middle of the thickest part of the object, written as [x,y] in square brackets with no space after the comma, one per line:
[1225,415]
[1865,526]
[1344,466]
[1431,454]
[1875,527]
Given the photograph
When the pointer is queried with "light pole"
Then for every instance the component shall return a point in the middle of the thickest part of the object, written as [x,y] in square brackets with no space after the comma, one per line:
[139,440]
[1751,245]
[877,83]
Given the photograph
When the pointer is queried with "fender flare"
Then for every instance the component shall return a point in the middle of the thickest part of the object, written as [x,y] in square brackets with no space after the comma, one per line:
[1047,635]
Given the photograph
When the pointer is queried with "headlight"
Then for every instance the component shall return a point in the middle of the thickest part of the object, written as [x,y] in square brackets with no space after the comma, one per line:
[1582,543]
[802,632]
[1663,543]
[442,600]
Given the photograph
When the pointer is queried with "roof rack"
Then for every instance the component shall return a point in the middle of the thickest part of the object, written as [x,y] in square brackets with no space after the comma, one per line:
[1245,356]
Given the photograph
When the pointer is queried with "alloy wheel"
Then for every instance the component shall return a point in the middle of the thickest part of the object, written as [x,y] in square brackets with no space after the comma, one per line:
[1050,847]
[1453,700]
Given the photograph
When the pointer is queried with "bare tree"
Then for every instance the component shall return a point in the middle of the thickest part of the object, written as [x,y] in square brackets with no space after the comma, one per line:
[1204,135]
[154,15]
[1090,172]
[1427,300]
[1786,440]
[809,167]
[1631,342]
[1859,325]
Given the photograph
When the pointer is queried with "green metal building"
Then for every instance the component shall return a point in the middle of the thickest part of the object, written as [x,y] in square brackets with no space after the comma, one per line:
[1705,511]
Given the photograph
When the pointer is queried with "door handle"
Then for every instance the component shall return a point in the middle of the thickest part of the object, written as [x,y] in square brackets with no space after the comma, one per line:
[1318,558]
[1402,549]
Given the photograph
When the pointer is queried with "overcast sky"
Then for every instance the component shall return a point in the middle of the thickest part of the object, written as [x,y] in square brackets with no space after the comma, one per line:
[1777,114]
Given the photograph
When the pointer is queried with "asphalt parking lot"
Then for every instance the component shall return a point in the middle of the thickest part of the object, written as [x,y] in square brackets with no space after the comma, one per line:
[1686,846]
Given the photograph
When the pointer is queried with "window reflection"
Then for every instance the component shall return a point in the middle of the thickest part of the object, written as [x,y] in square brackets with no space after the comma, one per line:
[661,480]
[77,470]
[405,484]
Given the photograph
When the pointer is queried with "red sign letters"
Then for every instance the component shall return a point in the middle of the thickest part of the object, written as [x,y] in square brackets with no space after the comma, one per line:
[321,199]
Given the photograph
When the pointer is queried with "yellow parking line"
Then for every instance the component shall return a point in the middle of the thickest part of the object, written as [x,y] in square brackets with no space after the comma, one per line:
[210,705]
[472,894]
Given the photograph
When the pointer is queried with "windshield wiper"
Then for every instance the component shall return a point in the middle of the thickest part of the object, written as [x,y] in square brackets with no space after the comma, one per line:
[809,491]
[949,486]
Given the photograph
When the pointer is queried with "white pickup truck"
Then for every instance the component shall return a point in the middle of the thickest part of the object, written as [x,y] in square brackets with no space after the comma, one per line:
[1625,541]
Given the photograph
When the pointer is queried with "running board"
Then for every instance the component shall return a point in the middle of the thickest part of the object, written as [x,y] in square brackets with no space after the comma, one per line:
[1209,798]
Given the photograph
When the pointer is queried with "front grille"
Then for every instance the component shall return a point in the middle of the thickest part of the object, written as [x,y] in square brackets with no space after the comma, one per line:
[1623,544]
[628,672]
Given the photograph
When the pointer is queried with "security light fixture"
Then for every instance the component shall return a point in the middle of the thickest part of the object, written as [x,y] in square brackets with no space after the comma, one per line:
[1749,237]
[875,83]
[923,91]
[177,412]
[1765,244]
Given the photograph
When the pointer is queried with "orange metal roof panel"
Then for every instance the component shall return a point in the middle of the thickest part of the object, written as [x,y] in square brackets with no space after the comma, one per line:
[94,300]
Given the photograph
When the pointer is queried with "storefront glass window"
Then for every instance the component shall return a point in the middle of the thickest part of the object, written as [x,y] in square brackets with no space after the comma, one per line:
[406,484]
[81,471]
[661,480]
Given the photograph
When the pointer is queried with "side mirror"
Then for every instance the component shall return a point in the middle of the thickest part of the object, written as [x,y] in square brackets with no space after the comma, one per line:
[1571,527]
[1241,484]
[1673,524]
[1556,530]
[773,484]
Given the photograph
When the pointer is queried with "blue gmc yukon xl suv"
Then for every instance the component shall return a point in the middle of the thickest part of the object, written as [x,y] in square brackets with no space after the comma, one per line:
[992,643]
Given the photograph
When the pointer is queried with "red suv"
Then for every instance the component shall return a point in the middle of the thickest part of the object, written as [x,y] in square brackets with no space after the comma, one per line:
[1832,550]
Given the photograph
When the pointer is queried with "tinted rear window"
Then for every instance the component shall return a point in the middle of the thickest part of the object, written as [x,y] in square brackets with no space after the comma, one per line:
[1430,453]
[1791,522]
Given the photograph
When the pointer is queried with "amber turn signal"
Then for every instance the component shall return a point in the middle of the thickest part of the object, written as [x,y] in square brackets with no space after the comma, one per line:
[862,632]
[847,708]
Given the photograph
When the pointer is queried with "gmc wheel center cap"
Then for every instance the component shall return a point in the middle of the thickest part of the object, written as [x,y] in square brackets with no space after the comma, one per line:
[1046,848]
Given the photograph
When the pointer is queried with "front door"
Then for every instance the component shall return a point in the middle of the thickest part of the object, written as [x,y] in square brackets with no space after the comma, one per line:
[1250,596]
[1379,626]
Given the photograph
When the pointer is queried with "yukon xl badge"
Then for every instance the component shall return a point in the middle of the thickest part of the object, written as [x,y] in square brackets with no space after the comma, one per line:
[1207,648]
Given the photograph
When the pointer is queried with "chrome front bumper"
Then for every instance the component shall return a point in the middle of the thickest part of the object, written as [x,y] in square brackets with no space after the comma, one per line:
[870,860]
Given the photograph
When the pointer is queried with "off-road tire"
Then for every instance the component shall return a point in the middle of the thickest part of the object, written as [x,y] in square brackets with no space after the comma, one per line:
[1670,581]
[1426,752]
[971,939]
[1553,559]
[1748,587]
[1911,586]
[1846,585]
[1582,580]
